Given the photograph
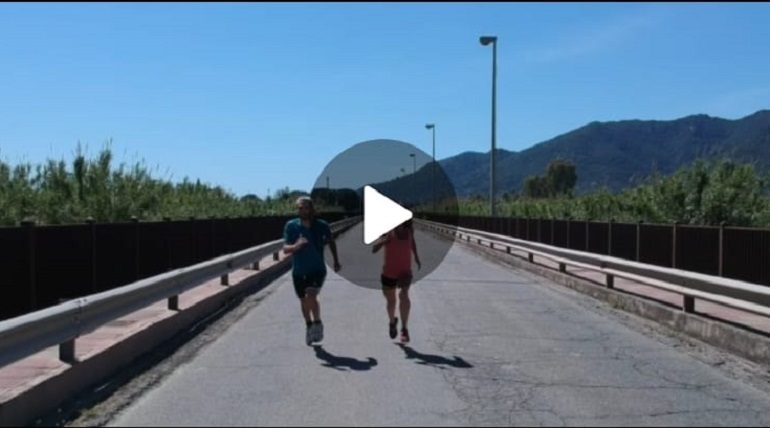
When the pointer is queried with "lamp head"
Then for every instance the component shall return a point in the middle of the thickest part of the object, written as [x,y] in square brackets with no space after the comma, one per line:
[485,40]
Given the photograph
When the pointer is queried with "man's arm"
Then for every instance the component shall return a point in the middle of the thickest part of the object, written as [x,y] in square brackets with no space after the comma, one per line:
[289,249]
[293,242]
[379,243]
[333,248]
[414,250]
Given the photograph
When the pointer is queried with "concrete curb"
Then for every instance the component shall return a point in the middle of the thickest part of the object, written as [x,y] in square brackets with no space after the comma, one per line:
[747,344]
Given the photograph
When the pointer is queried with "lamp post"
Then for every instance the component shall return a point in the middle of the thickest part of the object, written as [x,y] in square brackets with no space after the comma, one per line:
[432,127]
[486,40]
[414,162]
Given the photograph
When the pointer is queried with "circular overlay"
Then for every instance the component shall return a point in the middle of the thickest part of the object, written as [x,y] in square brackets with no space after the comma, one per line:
[408,177]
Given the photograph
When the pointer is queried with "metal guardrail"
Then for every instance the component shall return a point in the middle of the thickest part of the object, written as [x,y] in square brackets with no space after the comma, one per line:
[62,324]
[729,292]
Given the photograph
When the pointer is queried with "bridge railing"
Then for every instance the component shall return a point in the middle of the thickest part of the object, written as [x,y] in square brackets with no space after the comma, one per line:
[62,324]
[729,251]
[691,285]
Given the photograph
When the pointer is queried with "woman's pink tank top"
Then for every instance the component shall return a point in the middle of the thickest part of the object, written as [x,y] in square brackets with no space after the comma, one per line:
[398,256]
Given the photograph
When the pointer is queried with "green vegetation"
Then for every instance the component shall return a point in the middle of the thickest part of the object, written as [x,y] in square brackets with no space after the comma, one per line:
[61,193]
[706,192]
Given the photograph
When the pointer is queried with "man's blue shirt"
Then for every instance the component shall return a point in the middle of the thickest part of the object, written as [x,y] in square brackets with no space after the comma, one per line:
[310,259]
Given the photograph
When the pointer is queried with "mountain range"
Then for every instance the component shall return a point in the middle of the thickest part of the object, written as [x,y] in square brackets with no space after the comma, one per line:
[615,155]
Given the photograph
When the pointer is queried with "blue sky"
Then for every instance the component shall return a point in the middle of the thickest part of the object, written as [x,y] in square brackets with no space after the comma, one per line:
[261,96]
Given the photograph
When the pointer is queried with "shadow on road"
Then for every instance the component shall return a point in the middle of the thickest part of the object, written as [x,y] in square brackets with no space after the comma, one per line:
[433,360]
[342,363]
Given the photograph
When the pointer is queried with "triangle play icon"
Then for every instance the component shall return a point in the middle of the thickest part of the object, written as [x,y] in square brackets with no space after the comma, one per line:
[381,215]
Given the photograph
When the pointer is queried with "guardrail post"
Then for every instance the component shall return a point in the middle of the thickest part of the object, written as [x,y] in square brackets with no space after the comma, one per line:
[531,258]
[173,303]
[67,351]
[569,220]
[539,230]
[224,279]
[721,248]
[135,220]
[587,228]
[31,254]
[527,235]
[610,281]
[609,237]
[508,250]
[212,225]
[688,304]
[255,265]
[638,238]
[193,243]
[275,256]
[562,267]
[479,241]
[673,246]
[168,245]
[552,230]
[92,228]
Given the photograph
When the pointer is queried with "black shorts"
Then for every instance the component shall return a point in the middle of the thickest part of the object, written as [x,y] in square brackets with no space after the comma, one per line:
[303,282]
[390,283]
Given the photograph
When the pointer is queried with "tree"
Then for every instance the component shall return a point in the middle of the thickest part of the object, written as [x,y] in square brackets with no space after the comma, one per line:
[561,177]
[536,187]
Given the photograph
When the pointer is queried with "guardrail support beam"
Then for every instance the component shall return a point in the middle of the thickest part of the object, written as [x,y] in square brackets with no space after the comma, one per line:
[173,303]
[610,281]
[688,304]
[224,279]
[67,351]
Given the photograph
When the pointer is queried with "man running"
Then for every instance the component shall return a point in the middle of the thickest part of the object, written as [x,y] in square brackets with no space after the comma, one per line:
[304,237]
[397,273]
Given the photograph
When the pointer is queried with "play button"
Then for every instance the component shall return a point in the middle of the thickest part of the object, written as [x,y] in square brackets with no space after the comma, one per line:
[390,182]
[381,215]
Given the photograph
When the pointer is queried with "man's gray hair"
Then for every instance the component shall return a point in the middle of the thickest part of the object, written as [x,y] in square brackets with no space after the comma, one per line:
[305,200]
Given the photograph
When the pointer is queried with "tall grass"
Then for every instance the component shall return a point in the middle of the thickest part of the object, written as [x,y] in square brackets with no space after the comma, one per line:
[703,193]
[58,192]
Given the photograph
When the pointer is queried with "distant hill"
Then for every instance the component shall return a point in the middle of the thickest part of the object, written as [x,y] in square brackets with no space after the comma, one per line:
[616,154]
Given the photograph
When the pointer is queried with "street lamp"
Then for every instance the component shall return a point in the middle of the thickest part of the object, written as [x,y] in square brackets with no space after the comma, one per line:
[433,166]
[414,162]
[486,40]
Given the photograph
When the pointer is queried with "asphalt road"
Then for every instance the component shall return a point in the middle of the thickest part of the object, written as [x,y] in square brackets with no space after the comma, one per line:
[490,345]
